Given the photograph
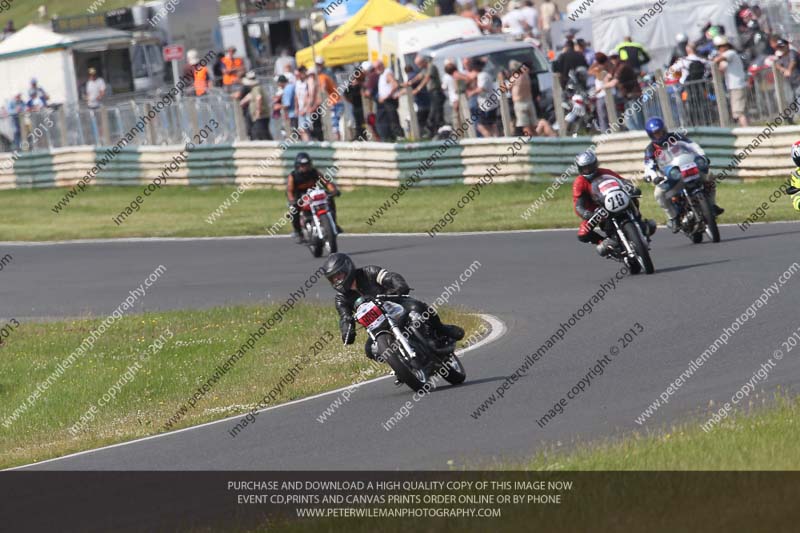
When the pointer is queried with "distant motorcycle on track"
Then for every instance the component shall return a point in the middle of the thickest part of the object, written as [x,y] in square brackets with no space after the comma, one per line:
[316,221]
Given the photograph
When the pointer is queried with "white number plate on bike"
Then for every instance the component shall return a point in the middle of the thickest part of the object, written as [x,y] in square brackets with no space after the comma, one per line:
[690,172]
[318,198]
[370,315]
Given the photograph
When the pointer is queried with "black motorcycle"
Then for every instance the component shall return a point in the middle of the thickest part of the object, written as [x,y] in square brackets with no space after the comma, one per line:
[409,346]
[621,221]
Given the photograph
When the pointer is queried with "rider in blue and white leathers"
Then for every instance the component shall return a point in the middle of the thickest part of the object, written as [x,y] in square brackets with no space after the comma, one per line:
[666,188]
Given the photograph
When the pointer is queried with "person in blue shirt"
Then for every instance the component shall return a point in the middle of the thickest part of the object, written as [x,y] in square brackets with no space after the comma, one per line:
[288,110]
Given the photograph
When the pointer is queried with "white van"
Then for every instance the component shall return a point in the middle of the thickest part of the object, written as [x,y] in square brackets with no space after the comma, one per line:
[397,45]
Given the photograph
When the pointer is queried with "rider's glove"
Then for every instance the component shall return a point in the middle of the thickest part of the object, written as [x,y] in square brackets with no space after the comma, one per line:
[650,175]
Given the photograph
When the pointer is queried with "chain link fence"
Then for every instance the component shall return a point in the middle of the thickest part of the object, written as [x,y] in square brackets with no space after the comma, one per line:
[173,122]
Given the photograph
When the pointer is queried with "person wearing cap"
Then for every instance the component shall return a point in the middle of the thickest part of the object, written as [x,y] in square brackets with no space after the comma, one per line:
[232,68]
[200,73]
[787,64]
[37,91]
[735,78]
[258,106]
[95,89]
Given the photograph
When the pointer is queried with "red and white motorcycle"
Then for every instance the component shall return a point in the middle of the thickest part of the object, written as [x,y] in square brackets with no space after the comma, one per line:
[316,222]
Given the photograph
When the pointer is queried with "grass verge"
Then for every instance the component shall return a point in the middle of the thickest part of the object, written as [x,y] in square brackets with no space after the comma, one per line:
[200,342]
[182,211]
[23,13]
[761,439]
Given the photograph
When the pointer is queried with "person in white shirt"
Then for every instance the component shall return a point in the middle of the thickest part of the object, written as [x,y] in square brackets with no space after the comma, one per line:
[735,78]
[95,89]
[514,20]
[303,100]
[283,61]
[687,65]
[450,87]
[531,16]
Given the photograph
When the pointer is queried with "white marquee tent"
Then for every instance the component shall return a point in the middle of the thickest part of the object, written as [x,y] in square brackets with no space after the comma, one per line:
[612,20]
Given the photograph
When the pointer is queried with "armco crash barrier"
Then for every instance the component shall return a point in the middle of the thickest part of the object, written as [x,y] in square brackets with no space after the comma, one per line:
[266,163]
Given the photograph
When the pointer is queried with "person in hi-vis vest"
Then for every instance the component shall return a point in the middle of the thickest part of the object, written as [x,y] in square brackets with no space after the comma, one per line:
[232,68]
[200,72]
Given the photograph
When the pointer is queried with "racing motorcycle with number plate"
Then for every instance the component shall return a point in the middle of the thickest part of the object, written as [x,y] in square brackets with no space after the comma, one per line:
[579,104]
[679,163]
[316,222]
[415,357]
[620,219]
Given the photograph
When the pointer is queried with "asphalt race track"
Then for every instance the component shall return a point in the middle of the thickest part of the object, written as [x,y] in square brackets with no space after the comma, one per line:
[532,281]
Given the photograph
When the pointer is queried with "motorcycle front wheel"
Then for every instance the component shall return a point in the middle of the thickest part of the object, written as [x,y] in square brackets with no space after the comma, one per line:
[640,249]
[314,242]
[415,379]
[711,221]
[455,370]
[328,236]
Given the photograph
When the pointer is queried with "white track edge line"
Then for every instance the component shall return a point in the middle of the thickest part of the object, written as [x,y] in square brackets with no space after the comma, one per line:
[344,235]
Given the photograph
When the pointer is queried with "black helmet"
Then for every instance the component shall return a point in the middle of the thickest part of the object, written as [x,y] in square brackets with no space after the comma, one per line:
[587,164]
[302,158]
[340,271]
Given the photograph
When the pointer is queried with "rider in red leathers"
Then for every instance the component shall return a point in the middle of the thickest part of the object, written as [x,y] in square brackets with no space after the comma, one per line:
[585,205]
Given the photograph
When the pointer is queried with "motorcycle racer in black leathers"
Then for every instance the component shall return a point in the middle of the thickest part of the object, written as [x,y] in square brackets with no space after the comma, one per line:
[350,283]
[304,177]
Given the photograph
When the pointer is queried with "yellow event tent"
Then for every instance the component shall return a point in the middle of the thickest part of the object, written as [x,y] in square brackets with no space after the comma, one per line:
[348,43]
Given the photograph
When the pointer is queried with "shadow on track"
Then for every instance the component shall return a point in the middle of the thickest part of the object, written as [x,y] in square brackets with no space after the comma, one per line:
[377,250]
[443,386]
[687,267]
[764,236]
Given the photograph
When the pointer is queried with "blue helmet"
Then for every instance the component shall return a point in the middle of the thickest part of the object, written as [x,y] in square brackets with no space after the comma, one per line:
[656,129]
